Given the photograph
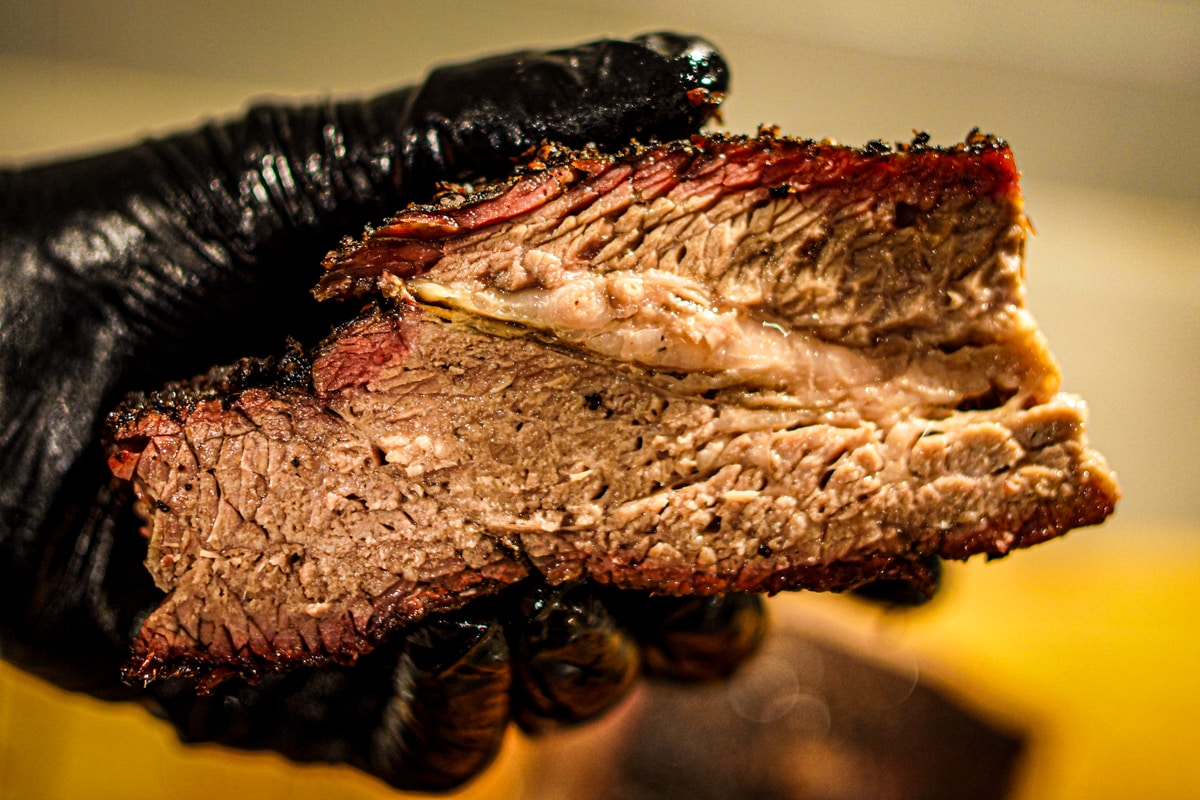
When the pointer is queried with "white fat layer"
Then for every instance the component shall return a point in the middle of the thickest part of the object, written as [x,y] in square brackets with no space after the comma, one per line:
[669,323]
[658,320]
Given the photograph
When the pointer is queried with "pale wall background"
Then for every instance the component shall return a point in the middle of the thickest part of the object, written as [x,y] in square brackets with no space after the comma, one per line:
[1100,100]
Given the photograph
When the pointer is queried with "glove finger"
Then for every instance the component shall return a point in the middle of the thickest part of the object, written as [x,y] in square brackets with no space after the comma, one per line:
[571,660]
[472,119]
[426,713]
[916,588]
[310,715]
[694,638]
[449,709]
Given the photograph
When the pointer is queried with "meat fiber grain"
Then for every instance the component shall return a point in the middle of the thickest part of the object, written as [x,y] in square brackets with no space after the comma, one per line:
[728,364]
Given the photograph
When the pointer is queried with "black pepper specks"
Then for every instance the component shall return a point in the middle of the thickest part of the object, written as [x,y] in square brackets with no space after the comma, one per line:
[906,215]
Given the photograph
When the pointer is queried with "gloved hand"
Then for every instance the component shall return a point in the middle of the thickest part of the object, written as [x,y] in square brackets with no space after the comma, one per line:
[124,270]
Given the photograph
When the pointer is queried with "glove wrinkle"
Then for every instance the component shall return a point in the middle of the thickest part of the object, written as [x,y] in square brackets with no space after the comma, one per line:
[469,121]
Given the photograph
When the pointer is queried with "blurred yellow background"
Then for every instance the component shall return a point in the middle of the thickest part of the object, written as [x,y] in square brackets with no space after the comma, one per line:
[1090,642]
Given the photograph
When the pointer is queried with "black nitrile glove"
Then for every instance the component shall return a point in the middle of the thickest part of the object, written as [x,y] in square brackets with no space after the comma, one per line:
[121,271]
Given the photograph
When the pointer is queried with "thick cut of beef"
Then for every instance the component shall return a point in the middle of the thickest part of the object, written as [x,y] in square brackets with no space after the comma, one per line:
[727,364]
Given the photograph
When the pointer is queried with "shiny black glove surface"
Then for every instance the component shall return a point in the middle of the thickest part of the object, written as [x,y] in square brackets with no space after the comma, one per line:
[124,270]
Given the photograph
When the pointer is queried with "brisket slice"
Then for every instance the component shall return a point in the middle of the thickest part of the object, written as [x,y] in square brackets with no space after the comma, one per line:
[729,364]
